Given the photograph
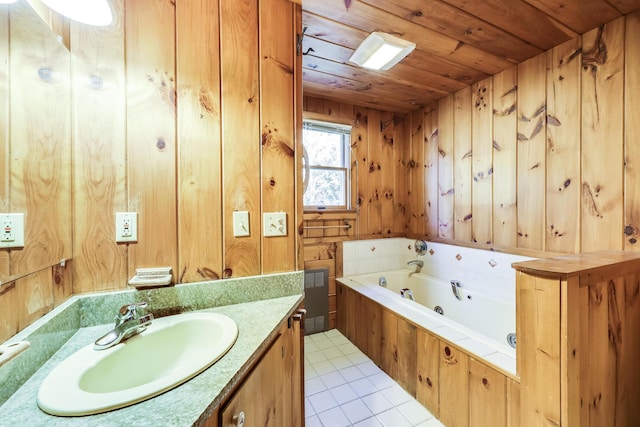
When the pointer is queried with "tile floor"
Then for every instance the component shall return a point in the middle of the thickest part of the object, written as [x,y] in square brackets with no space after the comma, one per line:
[343,387]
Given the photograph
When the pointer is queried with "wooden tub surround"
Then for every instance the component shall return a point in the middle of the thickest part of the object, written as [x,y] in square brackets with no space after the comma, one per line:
[578,330]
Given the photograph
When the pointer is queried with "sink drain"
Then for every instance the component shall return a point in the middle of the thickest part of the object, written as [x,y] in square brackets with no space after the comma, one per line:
[511,339]
[438,309]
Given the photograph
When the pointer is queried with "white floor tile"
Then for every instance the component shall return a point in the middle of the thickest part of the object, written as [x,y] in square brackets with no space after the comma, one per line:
[322,401]
[310,347]
[308,409]
[312,421]
[323,367]
[332,352]
[351,373]
[362,387]
[333,333]
[315,356]
[339,340]
[368,368]
[309,372]
[377,402]
[334,418]
[433,422]
[396,395]
[358,357]
[348,348]
[332,379]
[393,418]
[356,411]
[369,422]
[323,344]
[343,394]
[381,380]
[414,412]
[341,362]
[314,385]
[316,337]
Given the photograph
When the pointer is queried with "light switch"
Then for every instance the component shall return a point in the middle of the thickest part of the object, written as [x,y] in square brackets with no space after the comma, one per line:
[240,223]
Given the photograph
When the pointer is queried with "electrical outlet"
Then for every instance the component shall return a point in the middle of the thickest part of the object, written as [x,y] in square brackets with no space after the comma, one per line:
[240,223]
[12,230]
[275,224]
[126,227]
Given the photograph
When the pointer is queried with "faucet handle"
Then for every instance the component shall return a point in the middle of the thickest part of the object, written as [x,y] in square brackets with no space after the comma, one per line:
[131,310]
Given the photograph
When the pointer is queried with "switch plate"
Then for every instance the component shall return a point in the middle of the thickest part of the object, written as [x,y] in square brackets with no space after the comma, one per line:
[126,227]
[240,223]
[275,224]
[12,230]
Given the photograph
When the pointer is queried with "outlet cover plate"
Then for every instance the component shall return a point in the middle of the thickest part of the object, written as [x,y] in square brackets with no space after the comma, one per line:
[126,227]
[11,230]
[275,224]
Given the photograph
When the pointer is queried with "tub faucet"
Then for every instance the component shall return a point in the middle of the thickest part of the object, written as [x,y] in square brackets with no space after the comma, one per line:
[407,293]
[418,263]
[130,320]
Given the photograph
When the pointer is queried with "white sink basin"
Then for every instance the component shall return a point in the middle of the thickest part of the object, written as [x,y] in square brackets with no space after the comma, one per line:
[170,351]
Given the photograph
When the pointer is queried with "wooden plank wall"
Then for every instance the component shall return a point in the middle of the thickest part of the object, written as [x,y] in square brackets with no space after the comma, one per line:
[563,149]
[35,166]
[379,186]
[169,122]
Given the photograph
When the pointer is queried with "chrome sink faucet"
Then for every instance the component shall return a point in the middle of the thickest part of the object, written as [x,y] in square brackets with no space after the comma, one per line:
[418,263]
[130,320]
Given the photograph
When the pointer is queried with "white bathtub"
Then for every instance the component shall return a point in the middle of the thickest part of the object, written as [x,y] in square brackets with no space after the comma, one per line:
[477,323]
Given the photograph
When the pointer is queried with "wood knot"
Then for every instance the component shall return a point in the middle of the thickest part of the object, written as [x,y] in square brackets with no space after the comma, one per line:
[161,144]
[227,273]
[272,182]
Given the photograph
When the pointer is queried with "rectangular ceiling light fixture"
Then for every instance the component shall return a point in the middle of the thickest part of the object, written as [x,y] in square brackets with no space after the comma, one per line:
[381,51]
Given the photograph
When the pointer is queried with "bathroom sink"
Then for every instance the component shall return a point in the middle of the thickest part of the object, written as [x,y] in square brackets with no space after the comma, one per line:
[169,352]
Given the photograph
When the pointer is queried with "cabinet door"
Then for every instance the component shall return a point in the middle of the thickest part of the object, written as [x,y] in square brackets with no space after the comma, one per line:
[427,390]
[261,399]
[487,396]
[454,392]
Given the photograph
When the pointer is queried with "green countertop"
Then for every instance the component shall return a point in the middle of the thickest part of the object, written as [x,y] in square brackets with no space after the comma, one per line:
[188,404]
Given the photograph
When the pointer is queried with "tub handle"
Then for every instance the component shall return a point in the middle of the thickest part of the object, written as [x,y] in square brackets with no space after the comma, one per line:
[455,288]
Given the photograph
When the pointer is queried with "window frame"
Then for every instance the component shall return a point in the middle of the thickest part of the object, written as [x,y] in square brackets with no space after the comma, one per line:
[345,132]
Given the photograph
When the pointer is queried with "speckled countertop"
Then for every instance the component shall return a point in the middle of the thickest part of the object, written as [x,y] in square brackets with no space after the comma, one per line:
[190,403]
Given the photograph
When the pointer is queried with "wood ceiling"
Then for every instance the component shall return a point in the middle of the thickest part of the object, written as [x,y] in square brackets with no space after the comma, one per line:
[459,42]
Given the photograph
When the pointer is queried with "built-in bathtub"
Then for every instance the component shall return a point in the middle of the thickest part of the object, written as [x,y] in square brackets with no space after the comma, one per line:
[480,321]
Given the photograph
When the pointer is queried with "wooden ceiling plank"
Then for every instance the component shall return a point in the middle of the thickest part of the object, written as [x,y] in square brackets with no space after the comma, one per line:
[364,87]
[401,73]
[579,15]
[520,19]
[350,37]
[625,6]
[396,86]
[457,24]
[368,18]
[368,101]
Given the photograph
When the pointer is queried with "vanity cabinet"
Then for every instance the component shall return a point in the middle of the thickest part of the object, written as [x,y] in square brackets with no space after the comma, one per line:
[272,393]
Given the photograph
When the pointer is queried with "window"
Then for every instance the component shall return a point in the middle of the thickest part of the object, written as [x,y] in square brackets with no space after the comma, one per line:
[327,165]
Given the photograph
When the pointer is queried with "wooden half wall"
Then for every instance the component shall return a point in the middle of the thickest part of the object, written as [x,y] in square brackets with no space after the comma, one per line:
[542,156]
